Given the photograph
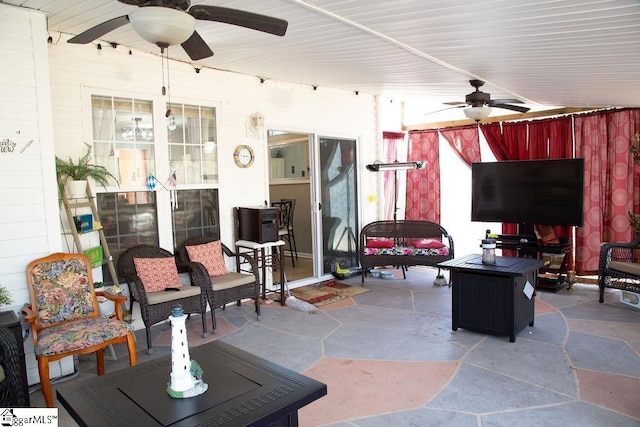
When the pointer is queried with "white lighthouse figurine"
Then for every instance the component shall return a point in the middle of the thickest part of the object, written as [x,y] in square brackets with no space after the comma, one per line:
[186,374]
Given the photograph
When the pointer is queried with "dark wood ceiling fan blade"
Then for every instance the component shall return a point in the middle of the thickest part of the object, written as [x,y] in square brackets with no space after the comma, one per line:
[506,101]
[511,107]
[455,103]
[99,30]
[448,108]
[196,47]
[240,18]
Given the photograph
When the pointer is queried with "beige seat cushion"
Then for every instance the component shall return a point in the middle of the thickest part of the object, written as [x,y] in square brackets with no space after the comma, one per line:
[625,267]
[231,280]
[164,296]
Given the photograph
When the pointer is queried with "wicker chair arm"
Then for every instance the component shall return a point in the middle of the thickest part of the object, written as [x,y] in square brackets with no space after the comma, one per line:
[137,290]
[198,274]
[451,252]
[617,251]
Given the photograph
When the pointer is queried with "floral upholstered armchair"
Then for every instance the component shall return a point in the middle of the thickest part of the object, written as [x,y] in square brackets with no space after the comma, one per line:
[65,317]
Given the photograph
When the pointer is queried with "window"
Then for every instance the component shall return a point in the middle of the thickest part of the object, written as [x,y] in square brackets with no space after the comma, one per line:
[123,138]
[195,213]
[193,153]
[133,139]
[128,219]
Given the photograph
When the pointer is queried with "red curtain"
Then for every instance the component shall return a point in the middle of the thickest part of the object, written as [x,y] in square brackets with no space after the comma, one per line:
[515,137]
[464,141]
[390,142]
[611,187]
[539,139]
[423,185]
[551,139]
[493,134]
[507,142]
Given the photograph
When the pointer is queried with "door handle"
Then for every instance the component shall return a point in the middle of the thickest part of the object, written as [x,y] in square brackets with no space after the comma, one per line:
[319,206]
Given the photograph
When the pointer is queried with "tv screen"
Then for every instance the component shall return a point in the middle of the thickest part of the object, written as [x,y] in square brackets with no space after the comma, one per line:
[547,192]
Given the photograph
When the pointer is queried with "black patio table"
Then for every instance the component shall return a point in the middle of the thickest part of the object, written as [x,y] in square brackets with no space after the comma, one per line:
[244,390]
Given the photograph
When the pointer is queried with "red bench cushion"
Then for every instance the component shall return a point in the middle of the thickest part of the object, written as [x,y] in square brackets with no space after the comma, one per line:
[426,243]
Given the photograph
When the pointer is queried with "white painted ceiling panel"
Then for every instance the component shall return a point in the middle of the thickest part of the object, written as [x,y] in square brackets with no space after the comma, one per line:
[545,52]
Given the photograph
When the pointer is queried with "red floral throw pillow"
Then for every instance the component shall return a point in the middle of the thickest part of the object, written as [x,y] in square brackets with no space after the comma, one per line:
[209,255]
[157,274]
[379,242]
[546,234]
[426,243]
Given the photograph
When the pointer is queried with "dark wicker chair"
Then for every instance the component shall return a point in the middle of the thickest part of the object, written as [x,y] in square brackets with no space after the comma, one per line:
[612,274]
[232,287]
[155,307]
[13,392]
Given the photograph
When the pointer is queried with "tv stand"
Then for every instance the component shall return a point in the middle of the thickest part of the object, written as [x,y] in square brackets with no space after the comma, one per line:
[552,276]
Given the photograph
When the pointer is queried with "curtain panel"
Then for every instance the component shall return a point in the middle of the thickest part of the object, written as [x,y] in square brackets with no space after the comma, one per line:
[539,139]
[390,143]
[611,187]
[464,141]
[507,141]
[423,185]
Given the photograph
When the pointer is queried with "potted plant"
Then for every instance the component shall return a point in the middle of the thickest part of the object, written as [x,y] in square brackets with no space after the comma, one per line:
[635,152]
[5,296]
[634,221]
[80,171]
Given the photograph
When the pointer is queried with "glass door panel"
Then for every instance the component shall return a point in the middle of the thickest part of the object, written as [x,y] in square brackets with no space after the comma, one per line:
[338,190]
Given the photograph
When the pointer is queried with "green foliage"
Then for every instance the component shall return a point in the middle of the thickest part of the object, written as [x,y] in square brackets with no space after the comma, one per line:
[5,296]
[634,221]
[634,149]
[82,170]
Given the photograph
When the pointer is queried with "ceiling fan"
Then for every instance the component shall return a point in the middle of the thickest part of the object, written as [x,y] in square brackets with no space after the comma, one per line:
[478,104]
[172,22]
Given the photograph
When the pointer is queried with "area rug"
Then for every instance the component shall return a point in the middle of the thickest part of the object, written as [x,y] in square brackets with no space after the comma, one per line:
[327,292]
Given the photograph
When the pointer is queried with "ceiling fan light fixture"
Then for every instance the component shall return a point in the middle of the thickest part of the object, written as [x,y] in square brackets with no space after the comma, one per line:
[477,113]
[162,26]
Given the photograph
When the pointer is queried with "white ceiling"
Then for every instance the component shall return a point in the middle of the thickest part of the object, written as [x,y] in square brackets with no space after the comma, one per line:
[582,53]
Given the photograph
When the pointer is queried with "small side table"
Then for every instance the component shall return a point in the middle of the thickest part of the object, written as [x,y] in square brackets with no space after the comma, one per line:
[268,255]
[497,299]
[9,319]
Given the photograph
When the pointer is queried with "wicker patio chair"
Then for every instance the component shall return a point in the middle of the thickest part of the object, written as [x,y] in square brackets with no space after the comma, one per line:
[155,307]
[65,316]
[618,267]
[224,288]
[13,392]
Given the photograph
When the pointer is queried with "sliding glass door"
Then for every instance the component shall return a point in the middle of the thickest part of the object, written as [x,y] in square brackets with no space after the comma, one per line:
[338,202]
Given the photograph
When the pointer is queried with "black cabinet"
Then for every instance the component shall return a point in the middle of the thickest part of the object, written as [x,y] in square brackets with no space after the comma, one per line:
[256,224]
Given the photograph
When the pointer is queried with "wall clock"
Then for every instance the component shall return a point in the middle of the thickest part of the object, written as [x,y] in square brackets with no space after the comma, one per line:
[243,156]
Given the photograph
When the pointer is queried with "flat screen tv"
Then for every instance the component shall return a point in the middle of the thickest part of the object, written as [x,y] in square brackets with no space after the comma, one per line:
[547,192]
